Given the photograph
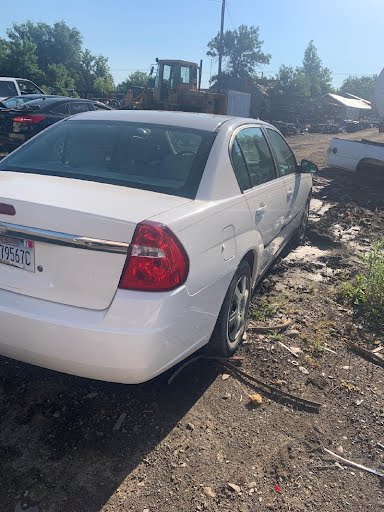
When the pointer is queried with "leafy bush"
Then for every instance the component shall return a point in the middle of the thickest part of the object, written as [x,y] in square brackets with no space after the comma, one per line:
[366,291]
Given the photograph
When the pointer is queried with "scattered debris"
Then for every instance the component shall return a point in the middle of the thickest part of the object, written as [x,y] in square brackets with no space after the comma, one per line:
[227,396]
[366,354]
[292,333]
[252,485]
[377,349]
[354,464]
[234,487]
[278,488]
[359,402]
[270,328]
[225,376]
[288,348]
[380,446]
[191,427]
[303,370]
[119,422]
[272,389]
[330,350]
[92,395]
[340,450]
[255,399]
[209,492]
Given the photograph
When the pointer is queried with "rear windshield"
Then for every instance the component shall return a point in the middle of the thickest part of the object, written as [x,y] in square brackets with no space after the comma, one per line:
[7,89]
[160,158]
[16,101]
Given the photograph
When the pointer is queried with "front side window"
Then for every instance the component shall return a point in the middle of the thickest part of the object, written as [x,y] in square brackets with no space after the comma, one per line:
[285,159]
[165,159]
[27,87]
[257,155]
[7,88]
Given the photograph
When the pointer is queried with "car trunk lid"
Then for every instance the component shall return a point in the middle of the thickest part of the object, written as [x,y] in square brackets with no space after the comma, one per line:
[78,232]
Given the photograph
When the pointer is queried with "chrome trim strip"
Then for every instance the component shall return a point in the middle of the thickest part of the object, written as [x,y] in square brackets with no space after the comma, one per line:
[57,238]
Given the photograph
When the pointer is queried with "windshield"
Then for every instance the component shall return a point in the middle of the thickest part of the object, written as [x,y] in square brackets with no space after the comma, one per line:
[7,89]
[161,158]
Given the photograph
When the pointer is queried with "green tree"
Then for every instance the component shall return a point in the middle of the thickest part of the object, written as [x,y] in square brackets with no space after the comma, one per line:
[361,86]
[56,44]
[135,79]
[58,79]
[320,78]
[93,74]
[19,58]
[293,82]
[241,50]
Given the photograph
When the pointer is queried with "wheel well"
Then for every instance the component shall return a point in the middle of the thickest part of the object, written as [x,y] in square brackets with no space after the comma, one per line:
[369,163]
[251,259]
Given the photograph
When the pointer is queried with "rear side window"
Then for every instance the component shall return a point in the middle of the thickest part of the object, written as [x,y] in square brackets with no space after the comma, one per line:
[161,158]
[78,107]
[257,155]
[62,109]
[7,89]
[240,167]
[285,159]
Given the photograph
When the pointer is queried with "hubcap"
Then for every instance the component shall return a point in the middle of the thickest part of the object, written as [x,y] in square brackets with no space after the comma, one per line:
[238,309]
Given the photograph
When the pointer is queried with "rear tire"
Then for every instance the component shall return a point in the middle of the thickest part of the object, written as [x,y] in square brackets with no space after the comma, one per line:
[231,322]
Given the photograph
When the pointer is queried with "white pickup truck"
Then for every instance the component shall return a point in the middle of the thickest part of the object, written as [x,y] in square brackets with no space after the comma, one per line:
[10,86]
[362,157]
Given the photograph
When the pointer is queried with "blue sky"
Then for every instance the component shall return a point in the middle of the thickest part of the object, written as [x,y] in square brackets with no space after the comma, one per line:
[347,33]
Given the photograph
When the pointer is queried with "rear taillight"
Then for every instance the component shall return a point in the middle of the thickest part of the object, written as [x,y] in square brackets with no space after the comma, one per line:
[156,260]
[30,119]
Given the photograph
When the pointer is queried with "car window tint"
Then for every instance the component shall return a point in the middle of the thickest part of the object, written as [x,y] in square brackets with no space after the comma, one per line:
[124,153]
[7,89]
[285,159]
[100,106]
[27,87]
[77,107]
[257,155]
[62,109]
[240,167]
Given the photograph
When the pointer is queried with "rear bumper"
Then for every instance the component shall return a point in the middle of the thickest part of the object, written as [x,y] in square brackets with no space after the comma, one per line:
[138,337]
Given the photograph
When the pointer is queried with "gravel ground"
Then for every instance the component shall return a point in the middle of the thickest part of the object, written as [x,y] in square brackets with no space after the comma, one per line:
[74,445]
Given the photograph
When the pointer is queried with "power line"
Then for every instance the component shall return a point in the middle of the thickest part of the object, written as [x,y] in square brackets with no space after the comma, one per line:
[230,17]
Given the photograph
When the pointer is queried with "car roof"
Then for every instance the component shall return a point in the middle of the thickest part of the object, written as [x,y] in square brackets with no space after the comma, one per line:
[13,78]
[207,122]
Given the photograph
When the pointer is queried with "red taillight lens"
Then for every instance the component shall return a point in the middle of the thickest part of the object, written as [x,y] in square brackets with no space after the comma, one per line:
[31,119]
[156,260]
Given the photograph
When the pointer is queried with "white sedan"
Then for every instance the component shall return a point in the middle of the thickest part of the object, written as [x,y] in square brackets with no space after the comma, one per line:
[131,239]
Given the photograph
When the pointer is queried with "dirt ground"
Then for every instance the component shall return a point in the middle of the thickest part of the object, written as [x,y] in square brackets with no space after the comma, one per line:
[74,445]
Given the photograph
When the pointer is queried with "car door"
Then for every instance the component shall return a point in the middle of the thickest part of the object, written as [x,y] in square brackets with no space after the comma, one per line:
[263,189]
[295,198]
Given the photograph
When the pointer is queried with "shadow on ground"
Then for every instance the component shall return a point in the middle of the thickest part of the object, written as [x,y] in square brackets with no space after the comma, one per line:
[58,446]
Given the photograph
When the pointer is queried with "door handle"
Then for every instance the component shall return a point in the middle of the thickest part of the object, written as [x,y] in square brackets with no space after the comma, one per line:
[261,209]
[290,193]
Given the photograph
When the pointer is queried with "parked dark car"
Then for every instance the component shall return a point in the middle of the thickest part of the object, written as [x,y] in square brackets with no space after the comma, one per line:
[22,117]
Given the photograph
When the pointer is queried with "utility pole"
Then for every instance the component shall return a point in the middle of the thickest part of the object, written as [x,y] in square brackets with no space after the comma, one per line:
[221,43]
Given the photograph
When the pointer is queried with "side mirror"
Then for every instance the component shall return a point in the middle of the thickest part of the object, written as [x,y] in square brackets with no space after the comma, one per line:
[307,167]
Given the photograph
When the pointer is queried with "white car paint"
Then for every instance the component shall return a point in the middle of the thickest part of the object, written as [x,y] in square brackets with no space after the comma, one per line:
[15,89]
[348,154]
[73,318]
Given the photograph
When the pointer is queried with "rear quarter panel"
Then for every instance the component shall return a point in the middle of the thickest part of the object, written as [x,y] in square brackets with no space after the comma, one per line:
[346,154]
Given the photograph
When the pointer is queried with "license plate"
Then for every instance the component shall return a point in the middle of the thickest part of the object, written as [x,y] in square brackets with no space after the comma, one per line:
[17,253]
